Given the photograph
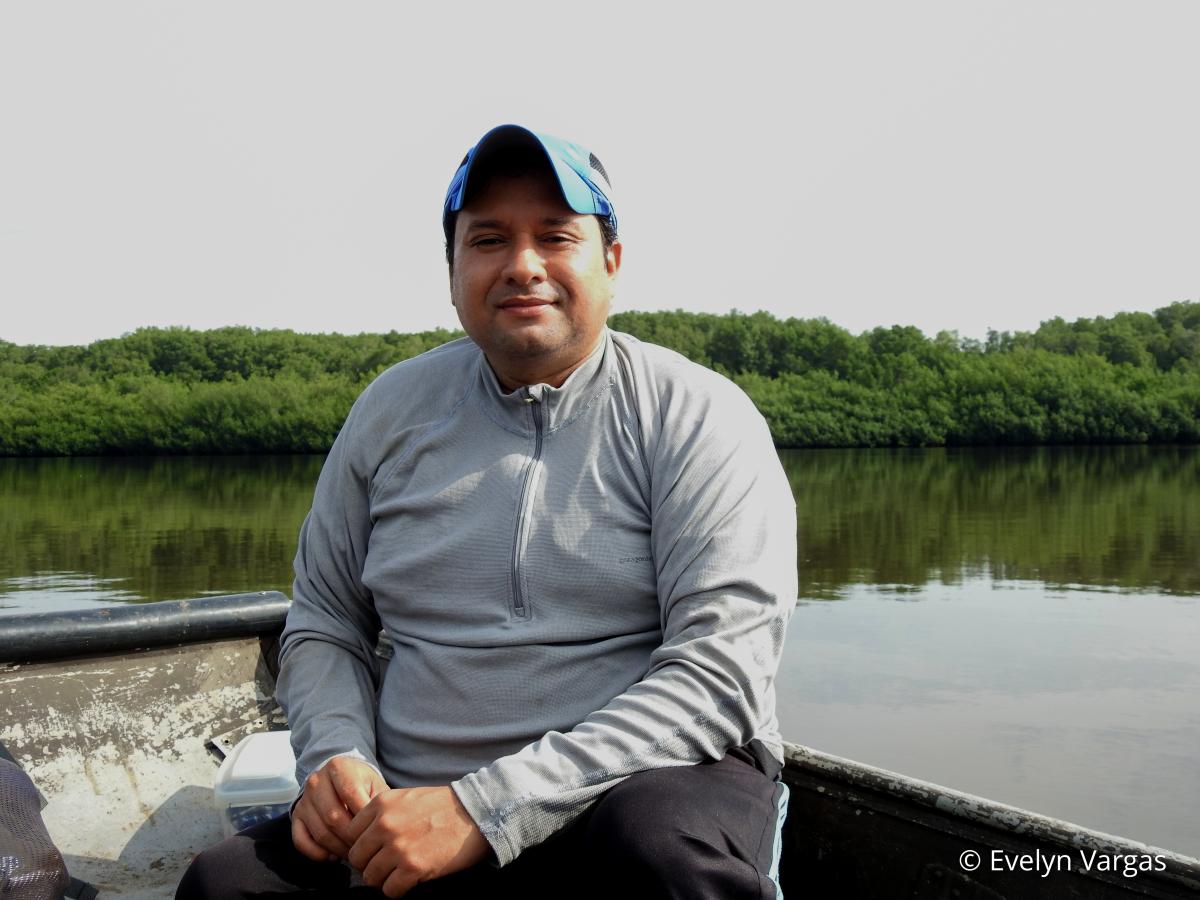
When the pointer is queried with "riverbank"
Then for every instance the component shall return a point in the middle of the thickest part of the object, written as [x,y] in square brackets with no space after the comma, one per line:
[1130,378]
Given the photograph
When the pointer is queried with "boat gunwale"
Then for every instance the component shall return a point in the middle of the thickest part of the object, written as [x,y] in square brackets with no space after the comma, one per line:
[980,811]
[42,636]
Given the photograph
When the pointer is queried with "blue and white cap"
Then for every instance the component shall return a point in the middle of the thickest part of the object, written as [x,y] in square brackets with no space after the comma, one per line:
[582,179]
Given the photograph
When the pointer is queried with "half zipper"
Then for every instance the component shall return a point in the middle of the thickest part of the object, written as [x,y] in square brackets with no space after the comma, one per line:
[525,503]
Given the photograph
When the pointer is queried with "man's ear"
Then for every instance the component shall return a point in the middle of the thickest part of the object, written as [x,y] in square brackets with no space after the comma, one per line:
[612,259]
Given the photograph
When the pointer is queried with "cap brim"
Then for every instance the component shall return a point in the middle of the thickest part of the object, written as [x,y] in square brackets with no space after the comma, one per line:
[578,194]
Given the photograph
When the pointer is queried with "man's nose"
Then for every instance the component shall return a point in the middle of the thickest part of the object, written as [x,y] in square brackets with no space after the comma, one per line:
[525,264]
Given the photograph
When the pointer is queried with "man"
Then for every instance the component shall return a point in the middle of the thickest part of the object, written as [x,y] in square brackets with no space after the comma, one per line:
[583,550]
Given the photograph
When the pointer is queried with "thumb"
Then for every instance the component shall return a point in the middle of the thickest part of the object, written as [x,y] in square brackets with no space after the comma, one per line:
[357,787]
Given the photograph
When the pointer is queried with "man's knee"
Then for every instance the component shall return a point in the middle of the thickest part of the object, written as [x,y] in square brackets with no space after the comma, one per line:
[260,859]
[203,879]
[693,831]
[640,824]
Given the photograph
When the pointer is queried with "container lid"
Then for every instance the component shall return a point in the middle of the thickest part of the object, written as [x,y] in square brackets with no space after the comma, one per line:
[261,769]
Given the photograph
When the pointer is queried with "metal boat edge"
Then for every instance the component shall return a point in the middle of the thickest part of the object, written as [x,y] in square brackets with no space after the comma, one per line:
[855,830]
[29,637]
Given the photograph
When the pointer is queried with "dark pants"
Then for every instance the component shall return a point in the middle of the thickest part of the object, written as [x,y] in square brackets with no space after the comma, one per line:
[704,831]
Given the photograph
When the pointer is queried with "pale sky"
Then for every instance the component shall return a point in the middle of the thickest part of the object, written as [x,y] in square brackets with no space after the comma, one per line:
[957,165]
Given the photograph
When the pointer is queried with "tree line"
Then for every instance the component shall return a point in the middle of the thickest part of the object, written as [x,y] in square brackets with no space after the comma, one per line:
[1128,378]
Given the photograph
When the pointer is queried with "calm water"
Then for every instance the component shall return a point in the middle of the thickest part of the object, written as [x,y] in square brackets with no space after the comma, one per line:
[1022,624]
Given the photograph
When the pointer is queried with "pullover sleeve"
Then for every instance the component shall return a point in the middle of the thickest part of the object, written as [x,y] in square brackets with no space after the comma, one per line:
[329,672]
[723,537]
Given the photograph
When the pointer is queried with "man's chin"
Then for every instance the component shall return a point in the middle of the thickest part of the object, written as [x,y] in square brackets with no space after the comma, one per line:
[530,342]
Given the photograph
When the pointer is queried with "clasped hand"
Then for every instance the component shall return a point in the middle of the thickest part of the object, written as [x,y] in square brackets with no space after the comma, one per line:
[396,837]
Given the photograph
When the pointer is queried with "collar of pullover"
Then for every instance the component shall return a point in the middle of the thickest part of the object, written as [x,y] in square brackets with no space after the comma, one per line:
[557,406]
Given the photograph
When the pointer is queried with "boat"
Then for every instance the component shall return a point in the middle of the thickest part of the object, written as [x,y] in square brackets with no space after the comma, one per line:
[120,716]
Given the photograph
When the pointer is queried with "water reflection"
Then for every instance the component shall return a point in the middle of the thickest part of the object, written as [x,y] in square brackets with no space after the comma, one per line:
[1120,518]
[1115,517]
[78,531]
[59,591]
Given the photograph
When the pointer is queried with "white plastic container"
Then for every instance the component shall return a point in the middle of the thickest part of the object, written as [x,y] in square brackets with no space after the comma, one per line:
[256,782]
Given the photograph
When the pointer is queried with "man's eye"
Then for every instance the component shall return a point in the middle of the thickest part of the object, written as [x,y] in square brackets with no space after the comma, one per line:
[485,242]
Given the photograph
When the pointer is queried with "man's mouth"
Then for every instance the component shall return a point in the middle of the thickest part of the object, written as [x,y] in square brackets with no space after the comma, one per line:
[524,307]
[524,302]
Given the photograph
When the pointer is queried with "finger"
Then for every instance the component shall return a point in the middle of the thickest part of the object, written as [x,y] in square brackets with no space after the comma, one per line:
[365,849]
[355,785]
[391,863]
[323,803]
[326,839]
[351,789]
[364,818]
[398,883]
[318,829]
[304,842]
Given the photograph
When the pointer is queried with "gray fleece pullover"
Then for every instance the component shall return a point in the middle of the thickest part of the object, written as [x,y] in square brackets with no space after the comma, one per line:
[580,582]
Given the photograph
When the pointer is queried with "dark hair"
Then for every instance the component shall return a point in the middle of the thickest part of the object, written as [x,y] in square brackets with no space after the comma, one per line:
[512,162]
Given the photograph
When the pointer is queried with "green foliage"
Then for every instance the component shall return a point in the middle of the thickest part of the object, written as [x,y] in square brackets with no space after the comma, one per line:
[1130,378]
[173,390]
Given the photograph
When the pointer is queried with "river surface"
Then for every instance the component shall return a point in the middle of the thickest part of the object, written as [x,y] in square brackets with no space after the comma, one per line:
[1022,624]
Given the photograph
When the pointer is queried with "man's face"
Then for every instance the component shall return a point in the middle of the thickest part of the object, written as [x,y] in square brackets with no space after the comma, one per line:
[531,280]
